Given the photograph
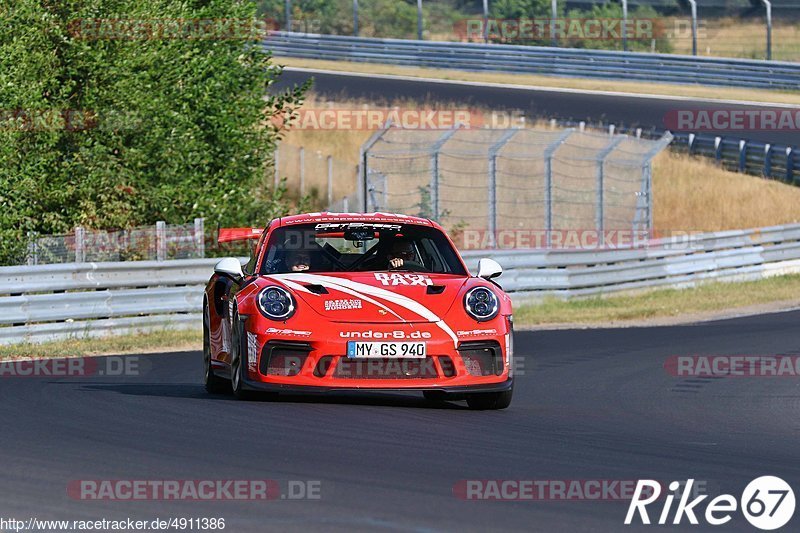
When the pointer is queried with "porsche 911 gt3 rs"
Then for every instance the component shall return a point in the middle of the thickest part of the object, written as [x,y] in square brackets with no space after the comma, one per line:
[353,301]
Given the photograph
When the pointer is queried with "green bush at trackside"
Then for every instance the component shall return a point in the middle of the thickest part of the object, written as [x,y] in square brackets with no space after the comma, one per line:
[107,128]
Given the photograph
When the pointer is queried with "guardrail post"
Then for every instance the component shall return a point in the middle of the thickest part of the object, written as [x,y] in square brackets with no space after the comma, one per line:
[742,155]
[789,164]
[692,137]
[718,149]
[768,160]
[355,18]
[200,236]
[768,5]
[419,20]
[80,244]
[302,156]
[161,240]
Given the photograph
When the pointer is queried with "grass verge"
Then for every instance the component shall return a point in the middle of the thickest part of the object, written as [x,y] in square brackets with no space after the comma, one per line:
[698,303]
[693,91]
[154,341]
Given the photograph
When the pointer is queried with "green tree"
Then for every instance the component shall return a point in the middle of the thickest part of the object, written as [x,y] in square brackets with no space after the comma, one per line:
[110,125]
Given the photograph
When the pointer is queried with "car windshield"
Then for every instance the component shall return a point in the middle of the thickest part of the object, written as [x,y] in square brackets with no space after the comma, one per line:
[359,247]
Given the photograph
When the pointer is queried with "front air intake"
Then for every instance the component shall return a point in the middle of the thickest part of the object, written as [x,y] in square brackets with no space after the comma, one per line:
[482,358]
[282,358]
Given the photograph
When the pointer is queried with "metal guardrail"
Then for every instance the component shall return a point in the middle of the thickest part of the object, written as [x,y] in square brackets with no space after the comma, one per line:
[54,302]
[569,62]
[775,161]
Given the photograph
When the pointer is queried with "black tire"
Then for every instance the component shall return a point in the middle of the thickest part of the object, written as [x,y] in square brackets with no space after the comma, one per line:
[214,384]
[237,368]
[435,396]
[482,401]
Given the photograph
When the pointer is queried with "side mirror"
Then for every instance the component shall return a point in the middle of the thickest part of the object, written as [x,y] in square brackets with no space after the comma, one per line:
[231,267]
[489,268]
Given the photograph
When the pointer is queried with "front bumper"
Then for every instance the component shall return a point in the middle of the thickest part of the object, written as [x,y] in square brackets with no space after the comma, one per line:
[291,360]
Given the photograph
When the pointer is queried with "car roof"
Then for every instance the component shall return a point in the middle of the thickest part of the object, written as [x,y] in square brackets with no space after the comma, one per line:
[392,218]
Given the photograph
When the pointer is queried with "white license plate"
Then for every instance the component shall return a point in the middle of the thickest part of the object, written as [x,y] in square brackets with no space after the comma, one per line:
[391,350]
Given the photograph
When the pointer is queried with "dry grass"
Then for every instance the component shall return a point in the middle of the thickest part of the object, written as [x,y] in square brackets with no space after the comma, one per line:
[733,37]
[690,193]
[693,91]
[701,302]
[693,193]
[139,343]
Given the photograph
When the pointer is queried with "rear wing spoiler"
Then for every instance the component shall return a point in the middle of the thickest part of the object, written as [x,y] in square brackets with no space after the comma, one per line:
[239,234]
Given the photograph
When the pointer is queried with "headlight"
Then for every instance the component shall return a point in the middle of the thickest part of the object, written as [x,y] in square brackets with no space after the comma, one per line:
[275,303]
[481,304]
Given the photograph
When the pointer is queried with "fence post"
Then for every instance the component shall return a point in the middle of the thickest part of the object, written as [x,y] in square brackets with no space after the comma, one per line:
[33,249]
[768,5]
[553,15]
[485,21]
[419,20]
[302,171]
[345,205]
[493,150]
[355,18]
[288,15]
[80,245]
[624,25]
[600,208]
[161,240]
[548,183]
[200,236]
[275,160]
[693,4]
[330,180]
[363,166]
[434,185]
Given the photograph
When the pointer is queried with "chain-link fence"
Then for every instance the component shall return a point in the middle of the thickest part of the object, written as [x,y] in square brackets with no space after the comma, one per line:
[326,180]
[159,242]
[494,181]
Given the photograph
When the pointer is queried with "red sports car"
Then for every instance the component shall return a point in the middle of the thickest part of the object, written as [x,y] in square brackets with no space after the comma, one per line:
[352,301]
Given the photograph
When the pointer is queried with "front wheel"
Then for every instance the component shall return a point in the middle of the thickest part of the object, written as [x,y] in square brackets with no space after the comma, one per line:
[214,384]
[237,365]
[481,401]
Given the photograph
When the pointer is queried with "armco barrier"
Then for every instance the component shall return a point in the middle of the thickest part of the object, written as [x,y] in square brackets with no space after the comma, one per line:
[571,62]
[51,302]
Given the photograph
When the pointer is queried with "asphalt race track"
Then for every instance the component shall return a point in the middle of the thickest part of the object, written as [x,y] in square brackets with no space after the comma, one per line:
[620,109]
[592,404]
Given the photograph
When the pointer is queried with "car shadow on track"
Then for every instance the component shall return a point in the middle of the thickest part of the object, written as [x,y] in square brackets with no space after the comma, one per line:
[192,391]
